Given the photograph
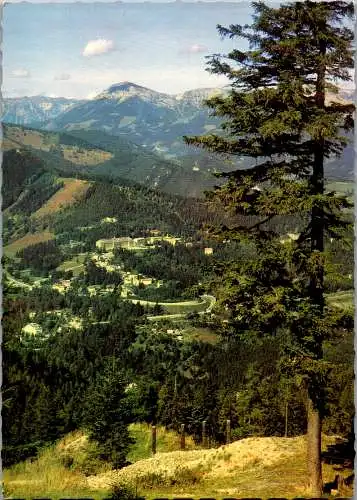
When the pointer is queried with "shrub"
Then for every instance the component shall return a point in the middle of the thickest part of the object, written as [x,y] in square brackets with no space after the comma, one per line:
[124,492]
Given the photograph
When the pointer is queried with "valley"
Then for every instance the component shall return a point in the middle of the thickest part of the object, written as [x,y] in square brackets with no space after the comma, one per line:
[118,300]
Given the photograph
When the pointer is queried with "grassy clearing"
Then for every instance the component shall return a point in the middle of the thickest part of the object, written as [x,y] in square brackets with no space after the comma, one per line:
[72,191]
[88,157]
[9,144]
[343,300]
[27,240]
[342,187]
[59,470]
[201,334]
[28,138]
[17,137]
[76,264]
[166,441]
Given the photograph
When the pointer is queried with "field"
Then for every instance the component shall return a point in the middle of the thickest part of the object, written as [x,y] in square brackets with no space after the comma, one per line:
[88,157]
[75,264]
[179,308]
[73,190]
[201,334]
[17,137]
[27,240]
[9,144]
[343,187]
[252,467]
[344,300]
[28,138]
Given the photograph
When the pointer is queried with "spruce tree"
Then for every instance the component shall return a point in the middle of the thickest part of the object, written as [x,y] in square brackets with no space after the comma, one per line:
[108,413]
[283,111]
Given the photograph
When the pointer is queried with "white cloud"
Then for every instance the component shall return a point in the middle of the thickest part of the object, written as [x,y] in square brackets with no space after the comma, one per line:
[20,73]
[98,47]
[62,76]
[196,48]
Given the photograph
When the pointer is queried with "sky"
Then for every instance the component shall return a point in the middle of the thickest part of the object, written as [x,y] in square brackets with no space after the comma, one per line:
[77,50]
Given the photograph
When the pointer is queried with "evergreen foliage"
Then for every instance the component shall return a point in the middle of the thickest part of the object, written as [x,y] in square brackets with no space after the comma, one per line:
[277,113]
[108,414]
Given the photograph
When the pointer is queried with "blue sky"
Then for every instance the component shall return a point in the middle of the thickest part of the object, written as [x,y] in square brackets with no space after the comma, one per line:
[77,50]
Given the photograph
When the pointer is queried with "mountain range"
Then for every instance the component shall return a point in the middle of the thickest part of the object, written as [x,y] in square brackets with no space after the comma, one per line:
[141,130]
[35,110]
[155,120]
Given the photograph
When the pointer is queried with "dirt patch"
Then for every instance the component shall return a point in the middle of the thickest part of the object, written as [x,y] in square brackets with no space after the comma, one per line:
[27,240]
[72,191]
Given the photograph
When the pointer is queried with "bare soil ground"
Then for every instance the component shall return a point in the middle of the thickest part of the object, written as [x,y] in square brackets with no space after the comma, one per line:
[72,191]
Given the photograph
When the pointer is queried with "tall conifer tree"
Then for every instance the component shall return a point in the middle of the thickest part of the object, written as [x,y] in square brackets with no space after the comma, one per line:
[282,110]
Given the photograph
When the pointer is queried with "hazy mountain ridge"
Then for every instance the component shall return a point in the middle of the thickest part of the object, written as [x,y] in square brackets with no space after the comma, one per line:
[151,125]
[35,110]
[152,119]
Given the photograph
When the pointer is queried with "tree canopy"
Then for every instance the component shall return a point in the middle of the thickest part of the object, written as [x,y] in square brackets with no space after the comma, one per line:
[283,110]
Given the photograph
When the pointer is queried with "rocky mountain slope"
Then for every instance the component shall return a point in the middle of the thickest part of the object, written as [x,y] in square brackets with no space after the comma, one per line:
[35,110]
[152,119]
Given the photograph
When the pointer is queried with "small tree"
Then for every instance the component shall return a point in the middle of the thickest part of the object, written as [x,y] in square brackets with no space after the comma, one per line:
[277,113]
[108,413]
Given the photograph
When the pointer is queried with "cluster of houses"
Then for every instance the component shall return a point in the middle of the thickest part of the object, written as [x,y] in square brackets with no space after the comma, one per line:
[134,243]
[142,243]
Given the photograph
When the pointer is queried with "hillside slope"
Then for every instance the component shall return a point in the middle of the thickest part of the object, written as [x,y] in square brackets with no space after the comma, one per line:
[92,154]
[252,467]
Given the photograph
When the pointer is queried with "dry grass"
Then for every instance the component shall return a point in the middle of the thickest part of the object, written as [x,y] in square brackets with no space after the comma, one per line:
[216,463]
[27,240]
[45,475]
[16,137]
[58,470]
[72,191]
[252,467]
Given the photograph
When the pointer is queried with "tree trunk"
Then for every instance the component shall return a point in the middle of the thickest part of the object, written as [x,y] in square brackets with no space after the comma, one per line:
[316,290]
[314,450]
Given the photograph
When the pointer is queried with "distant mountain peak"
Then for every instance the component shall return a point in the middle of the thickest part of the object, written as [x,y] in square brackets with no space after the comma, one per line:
[124,86]
[123,91]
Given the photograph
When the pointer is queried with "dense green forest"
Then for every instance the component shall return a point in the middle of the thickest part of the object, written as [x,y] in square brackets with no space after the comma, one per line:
[175,382]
